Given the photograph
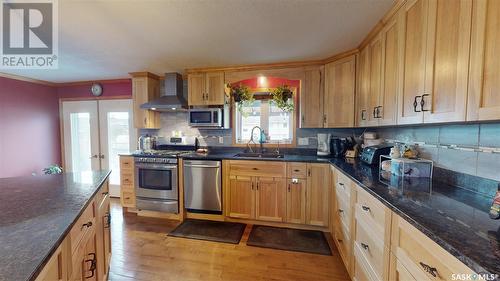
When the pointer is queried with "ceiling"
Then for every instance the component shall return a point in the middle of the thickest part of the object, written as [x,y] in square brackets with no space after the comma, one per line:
[107,39]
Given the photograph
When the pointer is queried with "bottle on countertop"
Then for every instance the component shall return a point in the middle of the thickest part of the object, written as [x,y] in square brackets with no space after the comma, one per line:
[495,207]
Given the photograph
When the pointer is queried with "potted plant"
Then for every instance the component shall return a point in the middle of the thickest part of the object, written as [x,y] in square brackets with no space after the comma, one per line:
[241,95]
[282,96]
[53,170]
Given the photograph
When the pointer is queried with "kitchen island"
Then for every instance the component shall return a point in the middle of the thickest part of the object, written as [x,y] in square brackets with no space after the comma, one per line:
[38,214]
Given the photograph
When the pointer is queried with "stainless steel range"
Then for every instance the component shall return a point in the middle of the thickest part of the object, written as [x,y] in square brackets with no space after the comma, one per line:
[157,178]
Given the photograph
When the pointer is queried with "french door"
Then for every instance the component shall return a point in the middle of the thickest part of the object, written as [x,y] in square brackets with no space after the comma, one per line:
[95,133]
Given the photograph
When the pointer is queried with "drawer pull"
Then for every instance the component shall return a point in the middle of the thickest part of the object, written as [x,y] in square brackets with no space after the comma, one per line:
[429,269]
[105,193]
[341,211]
[364,246]
[255,169]
[365,208]
[296,170]
[340,240]
[89,224]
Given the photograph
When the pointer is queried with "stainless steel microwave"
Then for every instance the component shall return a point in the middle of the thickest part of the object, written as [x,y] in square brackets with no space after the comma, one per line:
[209,117]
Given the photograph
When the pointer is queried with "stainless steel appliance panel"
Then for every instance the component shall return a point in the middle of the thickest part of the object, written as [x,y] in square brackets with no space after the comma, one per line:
[203,186]
[157,181]
[167,206]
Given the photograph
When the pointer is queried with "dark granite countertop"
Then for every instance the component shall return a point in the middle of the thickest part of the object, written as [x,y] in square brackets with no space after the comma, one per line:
[219,155]
[36,213]
[455,218]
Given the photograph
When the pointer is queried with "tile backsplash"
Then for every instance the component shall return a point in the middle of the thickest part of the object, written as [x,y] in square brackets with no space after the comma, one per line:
[472,149]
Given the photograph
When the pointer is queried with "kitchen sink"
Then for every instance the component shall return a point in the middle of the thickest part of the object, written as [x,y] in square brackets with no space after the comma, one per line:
[259,155]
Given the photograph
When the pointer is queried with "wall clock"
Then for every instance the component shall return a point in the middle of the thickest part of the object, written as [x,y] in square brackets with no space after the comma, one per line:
[96,89]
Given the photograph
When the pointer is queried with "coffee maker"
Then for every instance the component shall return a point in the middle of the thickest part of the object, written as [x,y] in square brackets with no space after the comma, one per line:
[324,144]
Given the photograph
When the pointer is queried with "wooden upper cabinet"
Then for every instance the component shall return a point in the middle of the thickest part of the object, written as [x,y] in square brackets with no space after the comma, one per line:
[241,197]
[363,87]
[447,68]
[270,199]
[339,93]
[391,64]
[196,89]
[484,77]
[206,89]
[414,21]
[318,196]
[311,100]
[376,76]
[145,87]
[436,56]
[215,88]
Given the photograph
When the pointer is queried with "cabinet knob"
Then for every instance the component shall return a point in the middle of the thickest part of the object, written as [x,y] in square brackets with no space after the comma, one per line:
[88,224]
[364,246]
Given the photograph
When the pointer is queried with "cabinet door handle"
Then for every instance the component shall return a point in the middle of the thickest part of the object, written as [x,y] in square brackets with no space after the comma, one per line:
[288,187]
[145,120]
[309,172]
[422,102]
[108,220]
[252,185]
[363,114]
[378,111]
[105,193]
[324,118]
[365,208]
[340,240]
[341,211]
[415,104]
[429,269]
[375,112]
[303,118]
[93,265]
[364,246]
[257,186]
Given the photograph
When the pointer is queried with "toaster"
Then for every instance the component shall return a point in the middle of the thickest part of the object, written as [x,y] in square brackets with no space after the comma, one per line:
[371,154]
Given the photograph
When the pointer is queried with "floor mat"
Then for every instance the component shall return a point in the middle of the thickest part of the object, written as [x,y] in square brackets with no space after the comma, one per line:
[308,241]
[226,232]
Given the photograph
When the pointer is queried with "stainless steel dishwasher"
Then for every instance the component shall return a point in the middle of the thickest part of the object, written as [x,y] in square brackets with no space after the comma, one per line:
[203,186]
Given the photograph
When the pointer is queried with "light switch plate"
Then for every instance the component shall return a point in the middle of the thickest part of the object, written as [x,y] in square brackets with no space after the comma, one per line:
[303,141]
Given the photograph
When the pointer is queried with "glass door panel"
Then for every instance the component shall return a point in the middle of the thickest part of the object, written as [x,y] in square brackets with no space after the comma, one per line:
[81,141]
[117,137]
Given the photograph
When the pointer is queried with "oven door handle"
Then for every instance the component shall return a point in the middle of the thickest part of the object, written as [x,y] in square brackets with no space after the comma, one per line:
[157,167]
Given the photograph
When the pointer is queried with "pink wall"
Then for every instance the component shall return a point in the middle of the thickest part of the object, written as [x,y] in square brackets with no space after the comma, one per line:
[110,89]
[29,128]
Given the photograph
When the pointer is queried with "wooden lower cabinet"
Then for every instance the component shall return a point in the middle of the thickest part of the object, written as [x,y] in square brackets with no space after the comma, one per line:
[85,252]
[318,187]
[127,181]
[57,267]
[260,190]
[422,257]
[241,197]
[270,199]
[399,271]
[296,201]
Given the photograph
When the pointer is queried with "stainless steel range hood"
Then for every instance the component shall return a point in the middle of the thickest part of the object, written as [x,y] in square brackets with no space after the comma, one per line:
[173,98]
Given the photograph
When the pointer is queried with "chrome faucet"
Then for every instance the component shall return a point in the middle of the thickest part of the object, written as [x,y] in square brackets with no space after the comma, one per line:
[252,140]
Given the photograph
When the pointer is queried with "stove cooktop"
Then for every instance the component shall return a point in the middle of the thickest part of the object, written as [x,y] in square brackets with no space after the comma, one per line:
[161,153]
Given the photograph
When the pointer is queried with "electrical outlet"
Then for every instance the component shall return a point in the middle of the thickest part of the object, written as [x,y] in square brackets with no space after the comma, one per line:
[221,139]
[303,141]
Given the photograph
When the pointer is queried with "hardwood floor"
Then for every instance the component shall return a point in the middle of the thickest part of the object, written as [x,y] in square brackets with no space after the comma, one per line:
[143,251]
